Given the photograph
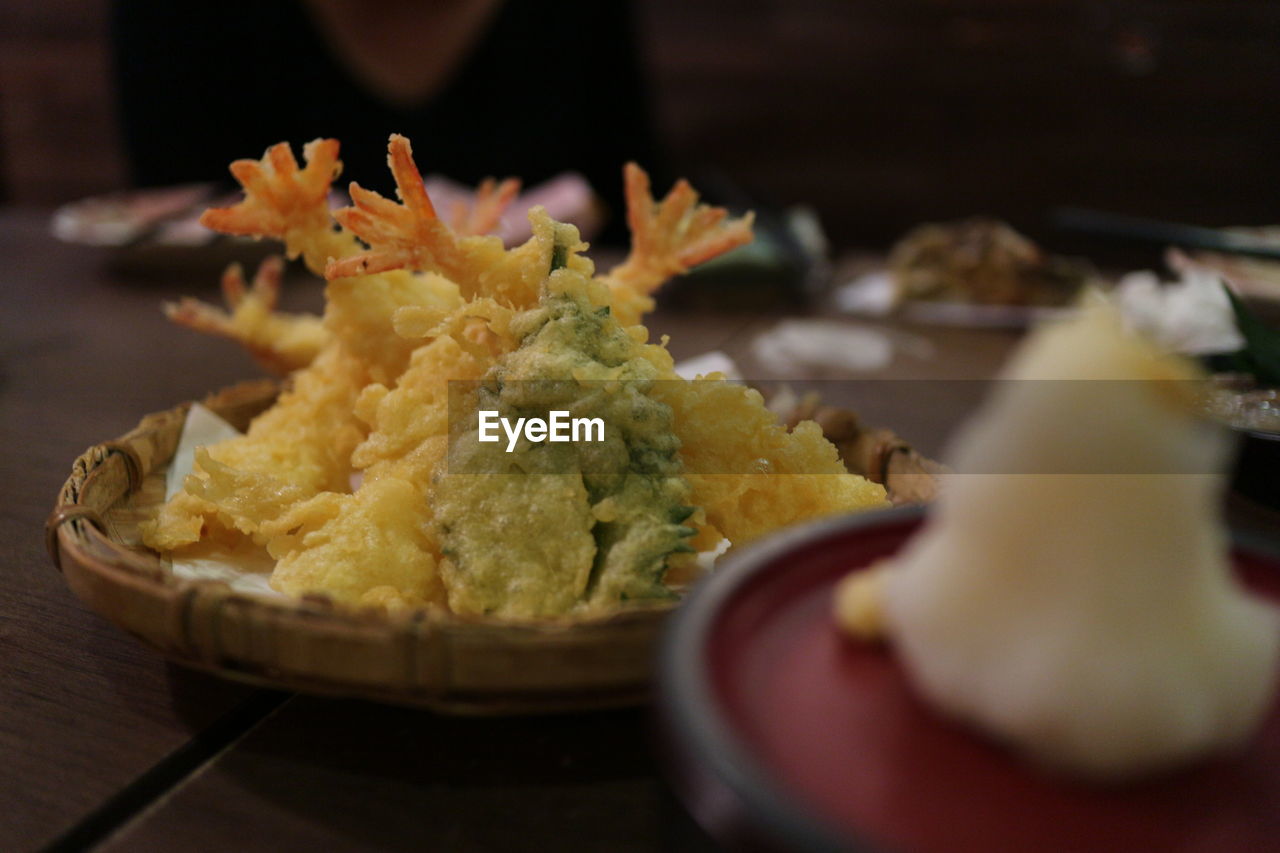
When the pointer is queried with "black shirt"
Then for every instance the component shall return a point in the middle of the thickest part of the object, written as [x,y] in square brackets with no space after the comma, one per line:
[548,87]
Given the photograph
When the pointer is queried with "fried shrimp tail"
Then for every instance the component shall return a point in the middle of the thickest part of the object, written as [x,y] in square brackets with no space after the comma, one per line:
[412,236]
[667,238]
[277,192]
[287,202]
[672,235]
[491,201]
[281,343]
[406,235]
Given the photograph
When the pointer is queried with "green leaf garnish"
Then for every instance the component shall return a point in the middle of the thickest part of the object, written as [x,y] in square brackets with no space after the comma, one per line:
[1261,353]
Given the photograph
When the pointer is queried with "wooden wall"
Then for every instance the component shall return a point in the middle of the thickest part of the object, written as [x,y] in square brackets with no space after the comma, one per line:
[884,113]
[58,138]
[878,113]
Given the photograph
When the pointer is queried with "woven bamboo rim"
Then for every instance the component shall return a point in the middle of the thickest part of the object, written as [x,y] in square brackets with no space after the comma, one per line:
[426,658]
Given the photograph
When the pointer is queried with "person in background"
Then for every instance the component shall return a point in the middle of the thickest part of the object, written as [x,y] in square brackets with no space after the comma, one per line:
[482,88]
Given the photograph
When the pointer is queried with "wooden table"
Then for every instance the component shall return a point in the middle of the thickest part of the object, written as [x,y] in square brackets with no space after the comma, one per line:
[104,744]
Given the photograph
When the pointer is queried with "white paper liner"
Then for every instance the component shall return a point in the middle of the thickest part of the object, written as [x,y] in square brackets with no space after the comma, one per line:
[244,570]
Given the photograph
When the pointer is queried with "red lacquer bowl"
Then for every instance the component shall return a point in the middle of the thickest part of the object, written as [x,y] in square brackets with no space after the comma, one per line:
[783,734]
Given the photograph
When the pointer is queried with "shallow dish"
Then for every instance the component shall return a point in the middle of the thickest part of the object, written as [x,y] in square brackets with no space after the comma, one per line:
[782,733]
[425,658]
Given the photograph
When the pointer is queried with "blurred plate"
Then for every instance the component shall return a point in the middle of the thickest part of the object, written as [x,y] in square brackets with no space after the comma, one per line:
[973,316]
[166,215]
[872,295]
[781,729]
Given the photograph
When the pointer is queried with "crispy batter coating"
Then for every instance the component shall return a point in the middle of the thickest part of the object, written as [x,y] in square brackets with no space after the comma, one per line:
[281,343]
[307,437]
[427,303]
[304,443]
[382,556]
[402,420]
[749,474]
[411,235]
[668,237]
[551,529]
[300,446]
[543,523]
[232,498]
[291,204]
[407,441]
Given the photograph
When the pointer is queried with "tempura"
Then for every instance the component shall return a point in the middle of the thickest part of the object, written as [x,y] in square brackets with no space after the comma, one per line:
[413,304]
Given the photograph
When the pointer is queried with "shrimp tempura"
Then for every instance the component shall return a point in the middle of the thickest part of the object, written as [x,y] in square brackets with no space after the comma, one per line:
[288,203]
[281,343]
[667,238]
[425,304]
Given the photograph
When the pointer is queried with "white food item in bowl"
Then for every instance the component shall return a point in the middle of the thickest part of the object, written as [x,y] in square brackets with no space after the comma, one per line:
[1072,594]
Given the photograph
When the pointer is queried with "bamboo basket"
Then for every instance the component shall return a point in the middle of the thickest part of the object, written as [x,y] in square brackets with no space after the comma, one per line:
[426,658]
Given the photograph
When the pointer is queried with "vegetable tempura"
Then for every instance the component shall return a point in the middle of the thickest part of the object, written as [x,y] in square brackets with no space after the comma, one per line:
[419,305]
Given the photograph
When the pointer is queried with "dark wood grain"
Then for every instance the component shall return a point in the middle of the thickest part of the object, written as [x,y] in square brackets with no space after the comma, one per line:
[337,775]
[84,709]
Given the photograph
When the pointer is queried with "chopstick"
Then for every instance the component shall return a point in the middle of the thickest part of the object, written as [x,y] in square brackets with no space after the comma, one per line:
[1165,233]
